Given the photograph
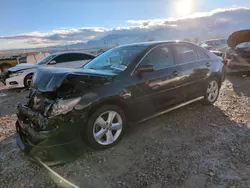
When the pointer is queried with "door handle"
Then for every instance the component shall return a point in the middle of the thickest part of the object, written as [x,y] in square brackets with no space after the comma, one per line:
[175,73]
[208,64]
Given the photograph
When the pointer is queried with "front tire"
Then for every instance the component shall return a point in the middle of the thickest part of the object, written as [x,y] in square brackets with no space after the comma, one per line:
[105,127]
[212,91]
[28,80]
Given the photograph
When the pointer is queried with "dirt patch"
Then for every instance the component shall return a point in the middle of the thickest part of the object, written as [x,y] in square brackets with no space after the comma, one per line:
[196,146]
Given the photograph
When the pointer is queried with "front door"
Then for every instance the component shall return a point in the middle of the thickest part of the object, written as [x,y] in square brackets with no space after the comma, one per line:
[154,91]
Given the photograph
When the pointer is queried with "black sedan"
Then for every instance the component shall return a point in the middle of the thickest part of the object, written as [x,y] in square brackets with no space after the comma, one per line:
[130,83]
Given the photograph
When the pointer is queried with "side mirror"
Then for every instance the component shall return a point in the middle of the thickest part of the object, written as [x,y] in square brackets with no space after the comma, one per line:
[52,62]
[145,68]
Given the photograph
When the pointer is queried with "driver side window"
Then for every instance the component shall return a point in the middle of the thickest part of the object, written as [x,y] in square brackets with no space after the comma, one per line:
[61,58]
[160,57]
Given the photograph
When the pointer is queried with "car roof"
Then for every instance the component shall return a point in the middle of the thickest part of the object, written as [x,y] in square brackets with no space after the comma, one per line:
[71,52]
[155,43]
[214,39]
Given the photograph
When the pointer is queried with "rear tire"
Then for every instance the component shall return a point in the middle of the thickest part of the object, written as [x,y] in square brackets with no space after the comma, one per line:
[212,91]
[27,80]
[105,127]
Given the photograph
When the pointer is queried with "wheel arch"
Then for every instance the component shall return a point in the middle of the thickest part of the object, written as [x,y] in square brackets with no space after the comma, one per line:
[28,74]
[111,101]
[216,75]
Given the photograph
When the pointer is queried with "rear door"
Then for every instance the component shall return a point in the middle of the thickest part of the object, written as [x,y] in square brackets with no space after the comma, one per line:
[193,65]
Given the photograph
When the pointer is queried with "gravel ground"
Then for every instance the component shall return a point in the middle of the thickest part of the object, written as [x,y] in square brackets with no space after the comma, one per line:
[196,146]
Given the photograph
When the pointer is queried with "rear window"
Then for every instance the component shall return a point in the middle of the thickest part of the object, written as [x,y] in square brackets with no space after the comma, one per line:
[185,53]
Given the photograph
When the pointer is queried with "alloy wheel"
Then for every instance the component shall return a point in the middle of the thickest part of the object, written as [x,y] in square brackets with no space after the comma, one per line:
[212,91]
[107,127]
[28,81]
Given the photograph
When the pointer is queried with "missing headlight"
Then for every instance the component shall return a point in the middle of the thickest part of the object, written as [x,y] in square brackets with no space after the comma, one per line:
[63,106]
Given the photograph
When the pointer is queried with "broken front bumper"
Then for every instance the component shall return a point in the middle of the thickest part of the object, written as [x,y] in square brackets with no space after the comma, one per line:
[60,145]
[15,82]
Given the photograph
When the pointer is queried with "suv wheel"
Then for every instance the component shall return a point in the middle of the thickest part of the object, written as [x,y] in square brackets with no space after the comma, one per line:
[105,127]
[212,91]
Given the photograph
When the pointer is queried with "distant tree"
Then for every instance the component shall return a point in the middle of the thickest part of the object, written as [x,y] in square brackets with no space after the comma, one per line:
[151,39]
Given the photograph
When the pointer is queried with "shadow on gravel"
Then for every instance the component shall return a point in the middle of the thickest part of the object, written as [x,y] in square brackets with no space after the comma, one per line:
[240,88]
[195,146]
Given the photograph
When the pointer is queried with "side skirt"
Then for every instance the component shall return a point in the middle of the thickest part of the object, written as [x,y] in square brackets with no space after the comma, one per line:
[171,109]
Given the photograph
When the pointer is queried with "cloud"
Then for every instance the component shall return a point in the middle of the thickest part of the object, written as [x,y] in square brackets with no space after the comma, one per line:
[224,20]
[57,37]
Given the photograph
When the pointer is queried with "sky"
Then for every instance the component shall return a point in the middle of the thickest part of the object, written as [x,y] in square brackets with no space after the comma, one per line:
[45,17]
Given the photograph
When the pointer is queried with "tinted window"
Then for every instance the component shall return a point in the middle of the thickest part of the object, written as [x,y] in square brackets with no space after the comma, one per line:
[79,57]
[202,55]
[160,57]
[68,57]
[61,58]
[185,54]
[45,60]
[74,57]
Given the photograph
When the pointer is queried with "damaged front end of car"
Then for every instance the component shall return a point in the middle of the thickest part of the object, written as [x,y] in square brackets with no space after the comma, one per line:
[50,123]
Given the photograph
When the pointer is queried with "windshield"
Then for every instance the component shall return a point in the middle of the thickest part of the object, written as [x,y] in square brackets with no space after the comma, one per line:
[116,59]
[243,45]
[45,60]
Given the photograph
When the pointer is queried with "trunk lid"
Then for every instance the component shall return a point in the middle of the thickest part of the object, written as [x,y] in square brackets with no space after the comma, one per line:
[238,37]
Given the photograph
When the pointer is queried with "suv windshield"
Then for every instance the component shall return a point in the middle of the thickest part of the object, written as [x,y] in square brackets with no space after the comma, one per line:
[45,60]
[243,45]
[116,59]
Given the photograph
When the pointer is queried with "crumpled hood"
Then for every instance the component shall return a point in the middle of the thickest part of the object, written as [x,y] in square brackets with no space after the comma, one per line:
[238,37]
[48,79]
[22,66]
